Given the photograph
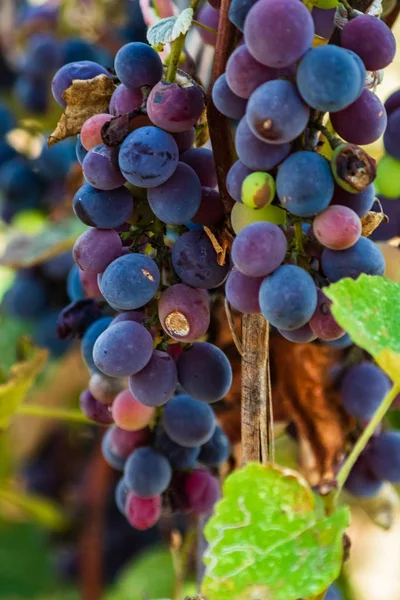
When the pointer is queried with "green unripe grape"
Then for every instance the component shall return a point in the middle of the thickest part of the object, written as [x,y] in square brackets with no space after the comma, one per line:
[387,180]
[258,190]
[242,215]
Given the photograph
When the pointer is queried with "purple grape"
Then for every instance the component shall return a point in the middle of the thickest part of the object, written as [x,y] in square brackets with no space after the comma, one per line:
[113,460]
[208,16]
[236,175]
[179,458]
[278,33]
[148,157]
[100,168]
[156,383]
[130,281]
[202,491]
[391,139]
[371,39]
[104,209]
[104,388]
[121,494]
[187,421]
[226,101]
[363,257]
[242,291]
[185,139]
[301,335]
[363,122]
[124,100]
[362,483]
[204,372]
[173,107]
[89,340]
[361,203]
[123,349]
[95,249]
[238,11]
[392,103]
[85,69]
[131,315]
[211,210]
[122,443]
[256,154]
[147,473]
[178,199]
[202,162]
[324,21]
[384,459]
[217,450]
[184,312]
[195,261]
[138,65]
[363,388]
[322,322]
[259,249]
[94,410]
[276,113]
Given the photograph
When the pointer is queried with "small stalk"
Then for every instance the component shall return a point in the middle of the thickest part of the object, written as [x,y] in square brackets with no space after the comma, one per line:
[177,49]
[206,27]
[334,141]
[299,237]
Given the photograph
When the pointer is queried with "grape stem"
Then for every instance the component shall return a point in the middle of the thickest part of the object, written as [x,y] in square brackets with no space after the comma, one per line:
[334,141]
[365,437]
[176,50]
[206,27]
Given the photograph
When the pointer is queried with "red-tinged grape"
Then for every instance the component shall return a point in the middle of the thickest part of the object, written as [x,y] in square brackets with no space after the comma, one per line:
[226,101]
[211,209]
[242,291]
[185,139]
[89,283]
[147,473]
[142,513]
[100,168]
[95,249]
[184,312]
[363,122]
[301,335]
[244,74]
[104,388]
[130,414]
[322,322]
[234,180]
[94,410]
[91,130]
[123,443]
[187,421]
[205,372]
[337,228]
[278,33]
[256,154]
[173,107]
[360,203]
[156,383]
[125,100]
[202,490]
[259,249]
[202,162]
[371,39]
[209,16]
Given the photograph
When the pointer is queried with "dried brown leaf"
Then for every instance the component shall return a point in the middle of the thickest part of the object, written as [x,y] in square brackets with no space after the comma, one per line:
[371,221]
[84,99]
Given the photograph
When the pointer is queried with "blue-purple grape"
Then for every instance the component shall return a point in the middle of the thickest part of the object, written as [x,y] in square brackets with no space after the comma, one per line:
[384,458]
[178,456]
[228,103]
[371,39]
[217,450]
[256,154]
[147,473]
[100,168]
[84,69]
[363,122]
[302,335]
[259,249]
[173,107]
[94,410]
[242,292]
[104,209]
[125,100]
[363,388]
[361,203]
[363,257]
[202,162]
[234,179]
[89,340]
[138,65]
[156,383]
[95,249]
[188,422]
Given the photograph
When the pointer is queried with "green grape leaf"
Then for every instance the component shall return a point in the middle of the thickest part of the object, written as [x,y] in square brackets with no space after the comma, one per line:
[26,251]
[270,539]
[38,509]
[169,29]
[367,308]
[21,378]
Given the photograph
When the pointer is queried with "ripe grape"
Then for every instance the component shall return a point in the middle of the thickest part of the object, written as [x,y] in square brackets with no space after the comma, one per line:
[122,443]
[363,257]
[184,312]
[89,340]
[125,100]
[173,107]
[147,473]
[185,139]
[216,451]
[242,291]
[131,315]
[202,491]
[337,228]
[130,414]
[362,482]
[156,383]
[392,103]
[104,209]
[371,39]
[255,154]
[100,168]
[363,388]
[84,69]
[324,18]
[258,189]
[209,16]
[80,151]
[333,593]
[148,157]
[360,203]
[104,388]
[188,422]
[276,113]
[94,410]
[178,456]
[204,372]
[322,322]
[387,180]
[211,210]
[90,135]
[304,183]
[178,199]
[116,462]
[202,162]
[363,122]
[238,12]
[259,249]
[121,494]
[242,216]
[288,297]
[123,349]
[95,249]
[226,101]
[130,281]
[138,65]
[234,179]
[392,134]
[278,33]
[343,342]
[75,289]
[301,335]
[337,90]
[142,513]
[384,458]
[195,261]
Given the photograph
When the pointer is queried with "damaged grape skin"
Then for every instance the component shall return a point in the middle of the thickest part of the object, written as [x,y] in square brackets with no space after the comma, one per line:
[353,169]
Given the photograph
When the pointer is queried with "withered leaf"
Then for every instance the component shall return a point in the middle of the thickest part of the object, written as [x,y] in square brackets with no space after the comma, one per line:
[84,99]
[115,131]
[371,221]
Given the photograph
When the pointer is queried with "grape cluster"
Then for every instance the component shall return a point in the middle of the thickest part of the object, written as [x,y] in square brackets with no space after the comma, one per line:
[298,205]
[151,375]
